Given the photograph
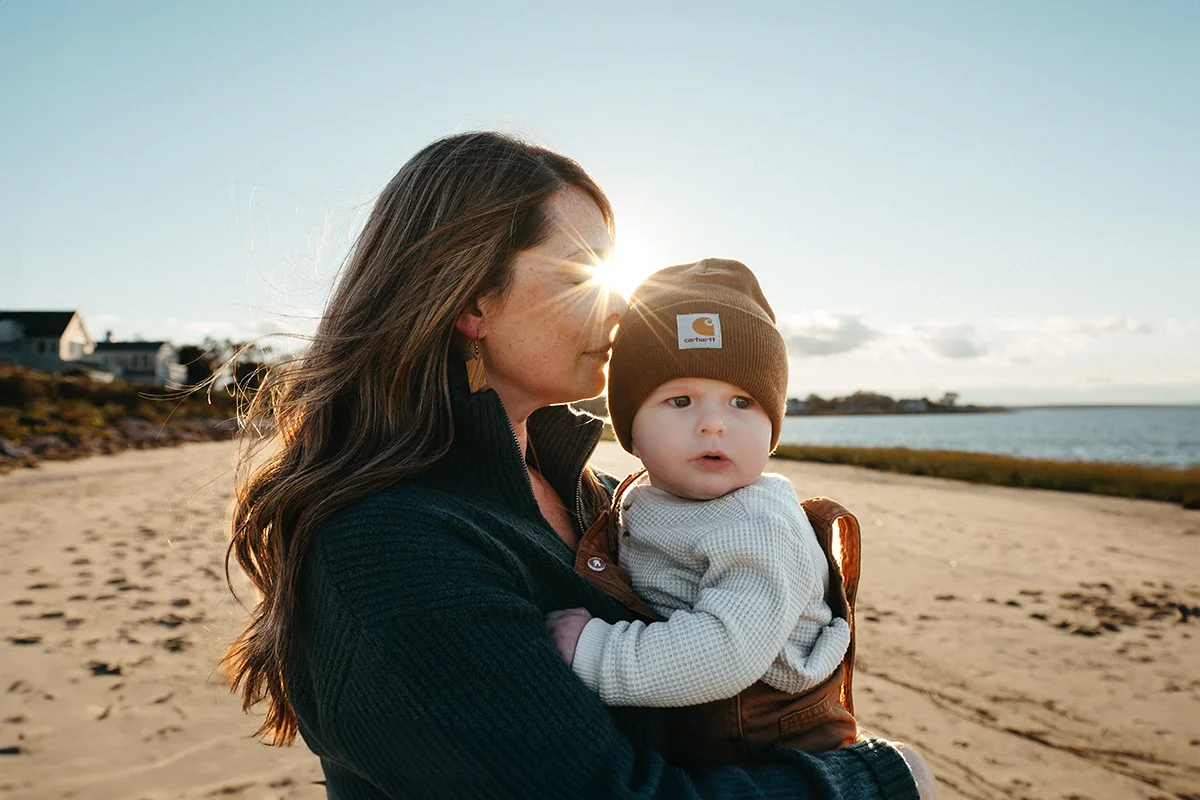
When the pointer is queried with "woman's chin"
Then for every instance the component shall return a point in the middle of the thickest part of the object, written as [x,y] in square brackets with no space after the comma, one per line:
[596,386]
[584,389]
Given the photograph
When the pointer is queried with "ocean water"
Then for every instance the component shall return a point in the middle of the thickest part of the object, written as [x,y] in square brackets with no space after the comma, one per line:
[1152,436]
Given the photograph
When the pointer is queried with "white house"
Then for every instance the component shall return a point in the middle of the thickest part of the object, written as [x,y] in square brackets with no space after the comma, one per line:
[47,340]
[142,362]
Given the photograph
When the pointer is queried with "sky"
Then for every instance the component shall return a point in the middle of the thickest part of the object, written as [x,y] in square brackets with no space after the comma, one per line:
[995,198]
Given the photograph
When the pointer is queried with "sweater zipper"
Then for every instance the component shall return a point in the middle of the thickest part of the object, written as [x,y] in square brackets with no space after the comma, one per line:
[529,482]
[579,502]
[517,443]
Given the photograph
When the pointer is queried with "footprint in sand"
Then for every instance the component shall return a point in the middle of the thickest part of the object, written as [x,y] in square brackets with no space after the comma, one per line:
[234,788]
[25,640]
[176,644]
[99,668]
[163,733]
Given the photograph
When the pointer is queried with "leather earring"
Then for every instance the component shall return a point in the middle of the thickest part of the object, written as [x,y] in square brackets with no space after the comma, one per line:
[476,376]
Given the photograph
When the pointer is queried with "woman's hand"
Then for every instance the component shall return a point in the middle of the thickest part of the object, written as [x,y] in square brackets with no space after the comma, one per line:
[565,627]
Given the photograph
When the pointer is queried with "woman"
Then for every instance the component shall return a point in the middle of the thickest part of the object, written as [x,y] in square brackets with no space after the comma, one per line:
[411,528]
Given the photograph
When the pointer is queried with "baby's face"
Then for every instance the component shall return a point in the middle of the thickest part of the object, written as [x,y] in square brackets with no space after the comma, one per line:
[700,438]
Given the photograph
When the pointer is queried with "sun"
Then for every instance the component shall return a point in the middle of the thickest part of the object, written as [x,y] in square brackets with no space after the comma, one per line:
[618,271]
[632,261]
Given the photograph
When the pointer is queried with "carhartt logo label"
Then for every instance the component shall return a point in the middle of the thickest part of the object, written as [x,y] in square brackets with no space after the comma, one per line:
[698,331]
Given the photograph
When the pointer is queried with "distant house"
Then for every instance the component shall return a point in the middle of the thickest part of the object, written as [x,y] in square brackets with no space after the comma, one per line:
[142,362]
[48,340]
[914,406]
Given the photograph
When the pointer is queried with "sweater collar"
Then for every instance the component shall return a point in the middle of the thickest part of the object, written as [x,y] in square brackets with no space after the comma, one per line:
[484,456]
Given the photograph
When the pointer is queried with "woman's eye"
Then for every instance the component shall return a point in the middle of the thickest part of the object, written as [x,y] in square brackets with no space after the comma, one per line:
[741,402]
[683,401]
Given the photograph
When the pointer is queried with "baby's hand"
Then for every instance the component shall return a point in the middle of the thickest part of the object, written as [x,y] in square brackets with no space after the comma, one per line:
[565,627]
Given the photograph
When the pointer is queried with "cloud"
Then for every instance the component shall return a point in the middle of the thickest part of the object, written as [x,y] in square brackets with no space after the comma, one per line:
[1089,327]
[999,342]
[1177,327]
[827,334]
[939,339]
[956,343]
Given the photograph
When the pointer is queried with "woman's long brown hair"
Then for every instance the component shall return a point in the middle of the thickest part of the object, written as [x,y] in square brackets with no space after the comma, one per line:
[367,403]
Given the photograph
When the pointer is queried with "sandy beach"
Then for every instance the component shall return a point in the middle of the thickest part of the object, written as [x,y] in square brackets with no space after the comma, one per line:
[1031,644]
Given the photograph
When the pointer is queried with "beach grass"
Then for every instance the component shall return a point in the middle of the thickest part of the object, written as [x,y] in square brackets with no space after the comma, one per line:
[1180,486]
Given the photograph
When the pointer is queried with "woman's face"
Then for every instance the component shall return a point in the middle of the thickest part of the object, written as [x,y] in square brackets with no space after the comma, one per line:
[547,338]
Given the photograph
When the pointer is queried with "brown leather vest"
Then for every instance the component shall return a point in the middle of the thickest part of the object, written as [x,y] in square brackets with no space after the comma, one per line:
[761,716]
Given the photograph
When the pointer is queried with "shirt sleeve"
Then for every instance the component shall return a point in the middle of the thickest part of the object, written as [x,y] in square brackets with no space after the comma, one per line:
[758,580]
[453,688]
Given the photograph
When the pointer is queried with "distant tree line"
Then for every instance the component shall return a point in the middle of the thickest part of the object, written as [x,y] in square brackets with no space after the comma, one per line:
[862,402]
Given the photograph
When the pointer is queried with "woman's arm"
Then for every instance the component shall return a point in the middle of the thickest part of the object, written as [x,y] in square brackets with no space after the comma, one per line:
[759,579]
[446,685]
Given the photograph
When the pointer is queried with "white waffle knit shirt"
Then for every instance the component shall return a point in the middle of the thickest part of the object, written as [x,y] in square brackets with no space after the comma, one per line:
[741,583]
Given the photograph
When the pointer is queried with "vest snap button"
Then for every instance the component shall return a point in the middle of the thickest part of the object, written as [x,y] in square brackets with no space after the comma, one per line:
[596,564]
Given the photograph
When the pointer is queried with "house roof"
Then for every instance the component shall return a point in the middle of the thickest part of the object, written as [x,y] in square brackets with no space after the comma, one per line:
[40,324]
[125,347]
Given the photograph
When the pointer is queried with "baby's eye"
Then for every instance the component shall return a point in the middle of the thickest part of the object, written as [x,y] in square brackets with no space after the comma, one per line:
[741,402]
[683,401]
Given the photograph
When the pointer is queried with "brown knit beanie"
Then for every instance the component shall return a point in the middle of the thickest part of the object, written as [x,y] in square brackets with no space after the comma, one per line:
[702,320]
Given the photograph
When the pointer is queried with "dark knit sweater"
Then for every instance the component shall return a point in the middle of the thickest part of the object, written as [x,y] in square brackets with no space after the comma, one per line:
[424,668]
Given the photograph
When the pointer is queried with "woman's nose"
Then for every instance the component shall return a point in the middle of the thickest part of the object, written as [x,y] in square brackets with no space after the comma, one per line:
[616,304]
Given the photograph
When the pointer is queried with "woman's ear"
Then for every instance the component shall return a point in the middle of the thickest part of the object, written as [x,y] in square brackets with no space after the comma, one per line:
[470,322]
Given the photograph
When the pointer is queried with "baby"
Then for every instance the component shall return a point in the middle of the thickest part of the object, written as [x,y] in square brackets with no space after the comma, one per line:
[720,550]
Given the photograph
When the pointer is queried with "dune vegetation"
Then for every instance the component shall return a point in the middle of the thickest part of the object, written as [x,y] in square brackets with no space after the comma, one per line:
[51,416]
[1119,480]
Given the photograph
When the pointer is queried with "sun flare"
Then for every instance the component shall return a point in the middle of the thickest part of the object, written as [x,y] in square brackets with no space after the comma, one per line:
[629,265]
[631,261]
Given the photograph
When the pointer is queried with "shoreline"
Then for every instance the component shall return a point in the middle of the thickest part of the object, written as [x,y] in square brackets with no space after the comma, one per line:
[1135,481]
